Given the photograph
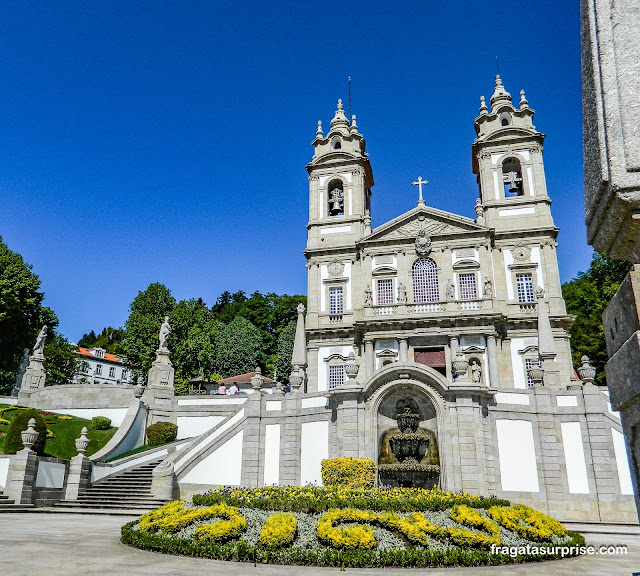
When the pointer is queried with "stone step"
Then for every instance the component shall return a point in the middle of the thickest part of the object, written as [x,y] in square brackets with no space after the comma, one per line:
[5,507]
[116,499]
[95,505]
[117,490]
[131,512]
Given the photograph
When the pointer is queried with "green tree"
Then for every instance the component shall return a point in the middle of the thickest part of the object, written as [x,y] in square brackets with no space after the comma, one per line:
[110,339]
[22,314]
[285,350]
[239,349]
[146,313]
[88,340]
[587,296]
[62,362]
[193,339]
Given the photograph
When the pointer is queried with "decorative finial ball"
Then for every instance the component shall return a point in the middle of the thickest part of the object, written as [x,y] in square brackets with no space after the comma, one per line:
[585,359]
[339,103]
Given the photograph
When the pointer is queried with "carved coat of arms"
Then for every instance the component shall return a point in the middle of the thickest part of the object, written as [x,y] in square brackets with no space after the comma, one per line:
[423,241]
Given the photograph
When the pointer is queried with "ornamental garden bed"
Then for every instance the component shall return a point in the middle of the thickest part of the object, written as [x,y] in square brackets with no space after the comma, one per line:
[350,528]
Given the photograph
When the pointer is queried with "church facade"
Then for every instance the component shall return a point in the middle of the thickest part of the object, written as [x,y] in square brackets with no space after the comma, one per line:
[461,318]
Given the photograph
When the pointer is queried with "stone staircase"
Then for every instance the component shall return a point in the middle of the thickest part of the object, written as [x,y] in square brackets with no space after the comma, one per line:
[129,490]
[7,505]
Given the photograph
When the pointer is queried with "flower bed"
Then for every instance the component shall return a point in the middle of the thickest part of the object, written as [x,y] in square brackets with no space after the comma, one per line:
[346,527]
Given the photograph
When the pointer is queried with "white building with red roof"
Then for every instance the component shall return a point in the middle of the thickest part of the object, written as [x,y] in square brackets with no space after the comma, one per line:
[100,367]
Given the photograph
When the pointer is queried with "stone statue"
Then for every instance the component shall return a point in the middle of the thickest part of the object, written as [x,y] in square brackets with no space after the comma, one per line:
[300,308]
[479,208]
[38,348]
[476,372]
[488,287]
[539,292]
[402,293]
[368,296]
[450,292]
[164,333]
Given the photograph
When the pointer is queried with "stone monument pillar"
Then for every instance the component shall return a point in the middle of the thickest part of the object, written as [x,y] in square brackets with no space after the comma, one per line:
[23,468]
[35,376]
[610,106]
[546,344]
[403,346]
[79,477]
[160,378]
[299,356]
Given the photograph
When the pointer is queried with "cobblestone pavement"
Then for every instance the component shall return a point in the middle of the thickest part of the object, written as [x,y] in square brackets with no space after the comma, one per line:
[81,545]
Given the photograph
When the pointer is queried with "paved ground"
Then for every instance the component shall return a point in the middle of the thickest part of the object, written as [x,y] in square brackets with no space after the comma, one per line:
[79,545]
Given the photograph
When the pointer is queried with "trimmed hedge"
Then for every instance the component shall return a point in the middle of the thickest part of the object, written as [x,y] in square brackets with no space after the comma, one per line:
[349,472]
[279,530]
[314,499]
[100,423]
[20,422]
[161,433]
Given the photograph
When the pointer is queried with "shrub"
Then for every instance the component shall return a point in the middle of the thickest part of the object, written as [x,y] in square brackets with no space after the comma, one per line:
[279,530]
[349,472]
[100,423]
[537,526]
[13,440]
[161,433]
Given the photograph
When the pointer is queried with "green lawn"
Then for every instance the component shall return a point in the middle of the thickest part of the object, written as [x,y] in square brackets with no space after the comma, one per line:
[65,431]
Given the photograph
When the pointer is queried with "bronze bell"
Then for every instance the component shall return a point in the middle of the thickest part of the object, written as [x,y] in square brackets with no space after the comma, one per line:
[335,207]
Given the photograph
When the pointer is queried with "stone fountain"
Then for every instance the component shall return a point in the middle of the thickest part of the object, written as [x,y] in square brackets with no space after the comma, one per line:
[409,448]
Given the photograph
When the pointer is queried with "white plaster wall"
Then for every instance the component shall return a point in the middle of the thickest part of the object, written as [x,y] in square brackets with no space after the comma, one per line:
[8,400]
[535,257]
[273,405]
[324,274]
[314,447]
[496,185]
[511,398]
[334,229]
[508,260]
[223,466]
[530,178]
[517,365]
[624,472]
[347,274]
[4,470]
[50,474]
[574,458]
[611,411]
[564,401]
[517,455]
[116,415]
[190,426]
[323,353]
[271,454]
[316,402]
[212,400]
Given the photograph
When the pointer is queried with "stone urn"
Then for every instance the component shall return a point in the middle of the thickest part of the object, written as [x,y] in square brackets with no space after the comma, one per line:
[350,367]
[83,442]
[586,372]
[256,381]
[296,378]
[30,435]
[460,365]
[138,391]
[536,374]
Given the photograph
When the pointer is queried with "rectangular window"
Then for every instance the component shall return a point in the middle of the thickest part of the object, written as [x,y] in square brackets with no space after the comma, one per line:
[467,286]
[524,283]
[528,364]
[335,300]
[112,372]
[385,292]
[124,374]
[336,376]
[98,370]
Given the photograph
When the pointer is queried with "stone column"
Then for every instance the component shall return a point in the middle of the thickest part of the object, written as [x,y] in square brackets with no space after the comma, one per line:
[546,344]
[369,358]
[492,357]
[454,344]
[23,469]
[346,399]
[404,348]
[79,477]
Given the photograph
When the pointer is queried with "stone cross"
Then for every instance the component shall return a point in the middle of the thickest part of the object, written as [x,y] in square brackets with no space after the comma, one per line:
[419,184]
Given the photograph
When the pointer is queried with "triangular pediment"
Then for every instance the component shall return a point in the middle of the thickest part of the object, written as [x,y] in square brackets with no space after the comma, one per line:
[433,221]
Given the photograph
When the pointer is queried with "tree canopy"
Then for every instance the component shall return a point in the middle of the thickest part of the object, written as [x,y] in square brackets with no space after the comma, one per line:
[587,296]
[110,339]
[22,313]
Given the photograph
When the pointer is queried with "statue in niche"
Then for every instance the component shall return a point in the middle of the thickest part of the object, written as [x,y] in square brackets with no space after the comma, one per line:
[165,329]
[450,292]
[402,293]
[488,287]
[368,296]
[38,347]
[476,372]
[479,208]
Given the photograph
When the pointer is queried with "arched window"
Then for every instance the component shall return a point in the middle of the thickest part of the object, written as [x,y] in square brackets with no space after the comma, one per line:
[425,281]
[335,197]
[512,177]
[335,143]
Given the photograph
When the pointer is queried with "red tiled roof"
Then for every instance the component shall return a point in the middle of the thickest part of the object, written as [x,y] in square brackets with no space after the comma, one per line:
[242,378]
[107,356]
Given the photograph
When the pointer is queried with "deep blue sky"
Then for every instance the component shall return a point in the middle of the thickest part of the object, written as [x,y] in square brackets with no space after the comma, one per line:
[166,141]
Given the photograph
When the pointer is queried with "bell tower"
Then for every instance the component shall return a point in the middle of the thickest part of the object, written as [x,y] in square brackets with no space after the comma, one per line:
[507,160]
[340,182]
